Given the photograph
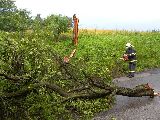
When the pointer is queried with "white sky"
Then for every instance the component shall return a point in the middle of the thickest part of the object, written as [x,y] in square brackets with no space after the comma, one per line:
[101,14]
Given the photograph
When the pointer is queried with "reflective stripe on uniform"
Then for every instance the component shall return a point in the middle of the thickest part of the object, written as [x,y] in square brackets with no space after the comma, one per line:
[131,71]
[133,61]
[132,54]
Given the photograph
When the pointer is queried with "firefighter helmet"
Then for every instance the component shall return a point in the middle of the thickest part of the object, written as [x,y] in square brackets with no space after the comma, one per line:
[128,45]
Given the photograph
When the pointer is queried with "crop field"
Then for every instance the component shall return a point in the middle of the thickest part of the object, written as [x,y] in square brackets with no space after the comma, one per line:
[100,50]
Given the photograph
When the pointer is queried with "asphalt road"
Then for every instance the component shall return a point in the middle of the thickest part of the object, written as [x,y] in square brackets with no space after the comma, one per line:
[135,108]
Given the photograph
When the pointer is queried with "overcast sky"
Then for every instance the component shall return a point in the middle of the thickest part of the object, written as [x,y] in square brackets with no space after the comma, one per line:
[101,14]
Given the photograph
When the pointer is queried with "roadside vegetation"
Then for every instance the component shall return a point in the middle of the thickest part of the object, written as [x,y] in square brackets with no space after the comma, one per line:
[103,48]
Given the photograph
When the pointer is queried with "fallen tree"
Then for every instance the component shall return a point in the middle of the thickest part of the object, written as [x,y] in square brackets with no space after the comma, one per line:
[105,90]
[35,83]
[88,87]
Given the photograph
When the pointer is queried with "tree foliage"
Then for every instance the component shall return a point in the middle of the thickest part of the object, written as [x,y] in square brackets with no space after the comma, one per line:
[57,24]
[13,19]
[35,82]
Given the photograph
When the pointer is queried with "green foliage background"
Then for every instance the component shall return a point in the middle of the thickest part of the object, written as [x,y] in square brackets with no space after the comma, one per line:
[103,50]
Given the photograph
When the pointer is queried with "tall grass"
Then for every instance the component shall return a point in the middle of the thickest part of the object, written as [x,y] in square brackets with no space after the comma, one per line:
[100,50]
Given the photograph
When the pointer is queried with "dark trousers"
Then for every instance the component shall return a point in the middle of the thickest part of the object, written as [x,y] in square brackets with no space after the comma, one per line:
[132,67]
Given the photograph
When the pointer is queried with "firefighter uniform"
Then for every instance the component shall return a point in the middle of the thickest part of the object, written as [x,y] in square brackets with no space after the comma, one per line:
[131,53]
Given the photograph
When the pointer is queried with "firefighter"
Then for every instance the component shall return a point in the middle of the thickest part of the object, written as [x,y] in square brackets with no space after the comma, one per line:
[130,56]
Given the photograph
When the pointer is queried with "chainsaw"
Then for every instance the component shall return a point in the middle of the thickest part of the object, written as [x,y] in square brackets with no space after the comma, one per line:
[125,57]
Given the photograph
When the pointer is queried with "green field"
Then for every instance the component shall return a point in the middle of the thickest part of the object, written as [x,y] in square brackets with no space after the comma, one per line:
[100,51]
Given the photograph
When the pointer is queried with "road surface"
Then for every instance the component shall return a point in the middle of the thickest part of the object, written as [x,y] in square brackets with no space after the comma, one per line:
[135,108]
